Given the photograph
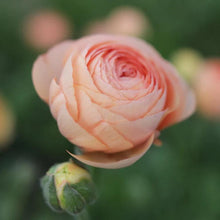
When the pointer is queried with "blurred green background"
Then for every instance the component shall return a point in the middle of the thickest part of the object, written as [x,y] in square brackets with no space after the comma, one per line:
[179,180]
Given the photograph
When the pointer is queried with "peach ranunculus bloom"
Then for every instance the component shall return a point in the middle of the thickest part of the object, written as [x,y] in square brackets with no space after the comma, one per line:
[43,29]
[7,123]
[207,88]
[111,95]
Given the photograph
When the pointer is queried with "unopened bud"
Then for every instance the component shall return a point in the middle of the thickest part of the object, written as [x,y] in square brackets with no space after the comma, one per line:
[68,187]
[187,61]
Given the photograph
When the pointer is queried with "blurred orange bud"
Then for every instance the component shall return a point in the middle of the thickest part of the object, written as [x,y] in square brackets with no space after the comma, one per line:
[207,88]
[123,20]
[187,61]
[6,124]
[43,29]
[128,21]
[95,27]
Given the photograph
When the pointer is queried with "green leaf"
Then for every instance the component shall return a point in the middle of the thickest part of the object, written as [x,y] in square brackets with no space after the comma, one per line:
[71,200]
[49,192]
[87,190]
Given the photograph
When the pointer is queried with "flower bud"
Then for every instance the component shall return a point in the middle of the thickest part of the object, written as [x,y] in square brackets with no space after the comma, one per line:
[68,187]
[7,124]
[187,61]
[207,89]
[45,28]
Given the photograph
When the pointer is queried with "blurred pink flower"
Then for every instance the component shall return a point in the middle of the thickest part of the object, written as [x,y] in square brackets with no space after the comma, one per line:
[43,29]
[207,87]
[96,27]
[123,20]
[127,21]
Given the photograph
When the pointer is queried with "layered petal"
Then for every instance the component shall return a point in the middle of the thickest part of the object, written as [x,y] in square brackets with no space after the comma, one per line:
[77,134]
[139,130]
[49,66]
[115,161]
[181,102]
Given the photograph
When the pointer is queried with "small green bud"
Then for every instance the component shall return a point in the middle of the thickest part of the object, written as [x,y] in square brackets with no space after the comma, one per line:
[68,187]
[187,61]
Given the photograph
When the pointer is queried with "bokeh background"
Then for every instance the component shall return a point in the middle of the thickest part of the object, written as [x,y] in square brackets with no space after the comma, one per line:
[180,180]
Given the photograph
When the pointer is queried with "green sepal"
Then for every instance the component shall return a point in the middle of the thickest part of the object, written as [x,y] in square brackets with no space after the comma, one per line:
[52,170]
[49,192]
[71,201]
[87,190]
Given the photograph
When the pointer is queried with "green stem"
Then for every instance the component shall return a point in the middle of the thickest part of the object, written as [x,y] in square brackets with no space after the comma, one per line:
[84,215]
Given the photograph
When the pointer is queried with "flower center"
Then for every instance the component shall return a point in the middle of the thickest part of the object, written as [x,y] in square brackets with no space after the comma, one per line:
[119,66]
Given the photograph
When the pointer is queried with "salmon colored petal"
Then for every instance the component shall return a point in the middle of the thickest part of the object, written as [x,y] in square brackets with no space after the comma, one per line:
[115,141]
[117,160]
[49,66]
[56,99]
[76,134]
[97,98]
[183,103]
[109,116]
[81,75]
[160,104]
[138,108]
[136,43]
[137,131]
[67,86]
[107,89]
[89,116]
[186,109]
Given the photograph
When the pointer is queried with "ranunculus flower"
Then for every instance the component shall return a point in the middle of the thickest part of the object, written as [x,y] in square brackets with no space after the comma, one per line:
[43,29]
[207,87]
[111,95]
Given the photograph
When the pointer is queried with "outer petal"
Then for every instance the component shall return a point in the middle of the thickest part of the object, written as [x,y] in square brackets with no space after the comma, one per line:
[114,139]
[139,130]
[181,100]
[117,160]
[145,49]
[138,108]
[49,66]
[56,98]
[91,119]
[68,89]
[77,134]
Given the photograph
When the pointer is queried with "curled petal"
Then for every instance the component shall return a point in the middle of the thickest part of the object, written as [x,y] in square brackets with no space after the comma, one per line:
[89,116]
[77,134]
[115,141]
[117,160]
[56,99]
[181,100]
[66,84]
[49,66]
[139,130]
[138,108]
